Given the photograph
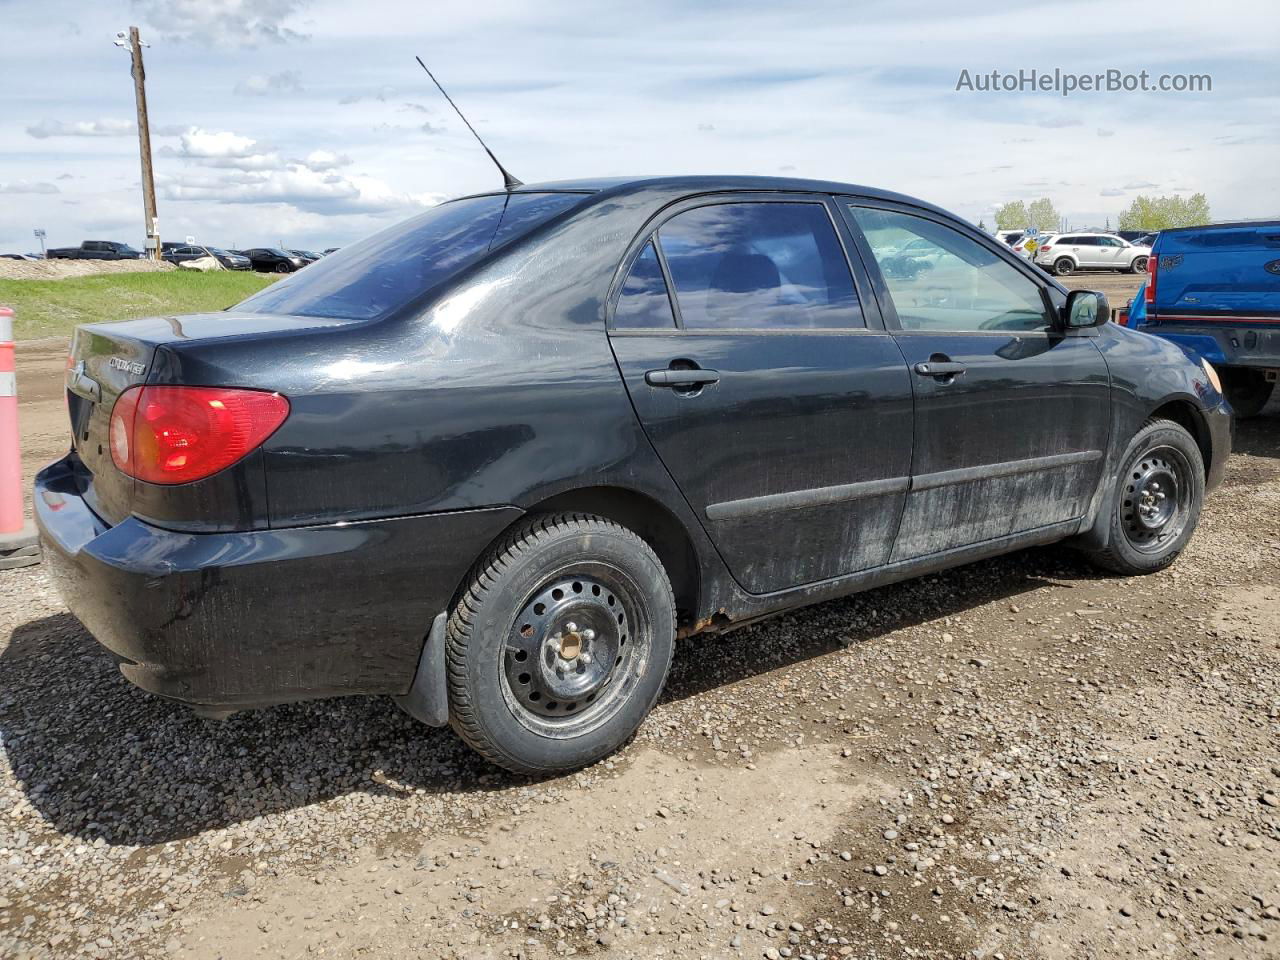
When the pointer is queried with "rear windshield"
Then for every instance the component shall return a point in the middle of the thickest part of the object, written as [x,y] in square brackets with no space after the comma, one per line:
[379,275]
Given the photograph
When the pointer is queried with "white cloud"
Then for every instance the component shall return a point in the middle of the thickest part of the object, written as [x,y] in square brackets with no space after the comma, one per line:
[1111,192]
[223,23]
[300,187]
[27,186]
[269,85]
[216,144]
[326,160]
[83,128]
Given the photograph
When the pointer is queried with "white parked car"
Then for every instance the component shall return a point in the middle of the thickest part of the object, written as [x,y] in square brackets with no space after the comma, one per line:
[1064,253]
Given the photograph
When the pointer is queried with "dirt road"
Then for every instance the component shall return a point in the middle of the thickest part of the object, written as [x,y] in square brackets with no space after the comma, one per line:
[1020,758]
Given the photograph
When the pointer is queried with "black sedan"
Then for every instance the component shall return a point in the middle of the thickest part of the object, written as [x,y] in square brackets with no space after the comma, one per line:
[494,460]
[274,260]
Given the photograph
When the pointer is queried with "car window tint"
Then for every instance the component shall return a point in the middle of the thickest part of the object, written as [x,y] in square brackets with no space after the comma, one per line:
[959,285]
[379,275]
[759,265]
[644,301]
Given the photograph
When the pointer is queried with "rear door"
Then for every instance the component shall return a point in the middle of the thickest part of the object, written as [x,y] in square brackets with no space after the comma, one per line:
[1012,415]
[1112,253]
[765,381]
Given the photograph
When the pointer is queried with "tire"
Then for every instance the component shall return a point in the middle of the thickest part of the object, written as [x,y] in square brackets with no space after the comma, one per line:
[1246,390]
[1063,266]
[1155,501]
[559,645]
[282,268]
[1139,265]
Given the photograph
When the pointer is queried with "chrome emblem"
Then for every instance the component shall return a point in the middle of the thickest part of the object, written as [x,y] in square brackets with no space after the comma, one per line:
[128,366]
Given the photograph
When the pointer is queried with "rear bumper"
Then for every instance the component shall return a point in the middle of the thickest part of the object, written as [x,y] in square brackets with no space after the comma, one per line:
[1223,344]
[259,617]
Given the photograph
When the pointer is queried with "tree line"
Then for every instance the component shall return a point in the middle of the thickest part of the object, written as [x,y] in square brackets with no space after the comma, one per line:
[1144,213]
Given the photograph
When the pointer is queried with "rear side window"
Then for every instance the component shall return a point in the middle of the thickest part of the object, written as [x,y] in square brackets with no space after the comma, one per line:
[379,275]
[759,266]
[644,301]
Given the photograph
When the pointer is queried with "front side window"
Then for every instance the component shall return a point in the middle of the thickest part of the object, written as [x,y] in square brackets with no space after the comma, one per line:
[644,301]
[956,284]
[379,275]
[759,266]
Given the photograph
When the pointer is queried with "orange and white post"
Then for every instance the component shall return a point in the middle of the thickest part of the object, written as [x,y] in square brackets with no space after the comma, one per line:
[18,546]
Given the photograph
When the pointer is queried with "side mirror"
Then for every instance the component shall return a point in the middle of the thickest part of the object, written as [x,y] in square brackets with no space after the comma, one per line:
[1085,308]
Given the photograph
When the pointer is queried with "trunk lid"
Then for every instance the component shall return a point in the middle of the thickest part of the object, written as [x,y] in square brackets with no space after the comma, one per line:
[108,358]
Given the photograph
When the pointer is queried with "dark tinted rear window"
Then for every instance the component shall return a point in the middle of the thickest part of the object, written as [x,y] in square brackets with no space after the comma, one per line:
[759,265]
[381,274]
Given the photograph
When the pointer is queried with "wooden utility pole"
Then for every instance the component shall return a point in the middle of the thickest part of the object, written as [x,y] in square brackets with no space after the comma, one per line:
[144,147]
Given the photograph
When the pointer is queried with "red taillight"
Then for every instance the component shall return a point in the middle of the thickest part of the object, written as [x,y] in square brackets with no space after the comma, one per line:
[1152,262]
[178,434]
[1047,247]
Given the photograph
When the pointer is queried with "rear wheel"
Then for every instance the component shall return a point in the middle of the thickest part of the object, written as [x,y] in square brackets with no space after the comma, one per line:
[1139,265]
[560,645]
[1155,502]
[1063,266]
[1246,390]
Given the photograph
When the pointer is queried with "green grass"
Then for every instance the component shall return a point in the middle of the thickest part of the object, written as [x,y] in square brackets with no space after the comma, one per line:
[46,308]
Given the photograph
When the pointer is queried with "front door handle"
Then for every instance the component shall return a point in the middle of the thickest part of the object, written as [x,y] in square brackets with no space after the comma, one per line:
[681,378]
[940,368]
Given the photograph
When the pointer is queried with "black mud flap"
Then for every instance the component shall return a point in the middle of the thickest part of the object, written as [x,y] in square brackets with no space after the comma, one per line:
[428,698]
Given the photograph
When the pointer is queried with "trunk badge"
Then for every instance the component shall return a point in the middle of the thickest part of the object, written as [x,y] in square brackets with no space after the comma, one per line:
[128,366]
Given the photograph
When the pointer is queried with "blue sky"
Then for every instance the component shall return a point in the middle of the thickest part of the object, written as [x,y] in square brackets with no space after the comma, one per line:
[308,122]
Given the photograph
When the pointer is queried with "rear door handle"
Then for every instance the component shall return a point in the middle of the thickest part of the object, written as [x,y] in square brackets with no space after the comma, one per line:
[940,368]
[681,378]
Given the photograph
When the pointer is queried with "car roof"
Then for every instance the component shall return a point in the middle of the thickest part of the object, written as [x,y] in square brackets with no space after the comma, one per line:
[704,183]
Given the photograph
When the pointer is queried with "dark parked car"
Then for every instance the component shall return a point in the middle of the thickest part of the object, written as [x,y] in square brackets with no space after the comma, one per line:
[96,250]
[181,252]
[306,255]
[274,260]
[493,460]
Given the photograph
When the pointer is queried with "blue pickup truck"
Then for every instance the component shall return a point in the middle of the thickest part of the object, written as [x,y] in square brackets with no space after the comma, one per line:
[1216,290]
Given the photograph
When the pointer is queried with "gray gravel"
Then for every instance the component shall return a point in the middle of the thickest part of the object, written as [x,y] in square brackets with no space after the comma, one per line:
[1018,758]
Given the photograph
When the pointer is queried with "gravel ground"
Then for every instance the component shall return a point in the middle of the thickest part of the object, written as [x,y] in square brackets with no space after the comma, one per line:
[1019,758]
[56,269]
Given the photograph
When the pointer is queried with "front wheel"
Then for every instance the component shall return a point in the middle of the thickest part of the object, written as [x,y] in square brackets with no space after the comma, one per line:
[282,268]
[1155,501]
[1063,266]
[559,646]
[1139,265]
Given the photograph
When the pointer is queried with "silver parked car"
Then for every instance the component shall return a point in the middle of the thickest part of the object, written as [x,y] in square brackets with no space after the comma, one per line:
[1064,253]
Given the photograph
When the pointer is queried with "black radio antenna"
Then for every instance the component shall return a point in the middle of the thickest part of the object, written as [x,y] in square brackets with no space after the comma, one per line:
[509,181]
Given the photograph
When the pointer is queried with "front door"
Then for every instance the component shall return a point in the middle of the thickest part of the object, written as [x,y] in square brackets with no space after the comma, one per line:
[771,392]
[1012,415]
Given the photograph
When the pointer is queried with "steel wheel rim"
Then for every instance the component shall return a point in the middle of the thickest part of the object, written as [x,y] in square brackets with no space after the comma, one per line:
[578,646]
[1157,499]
